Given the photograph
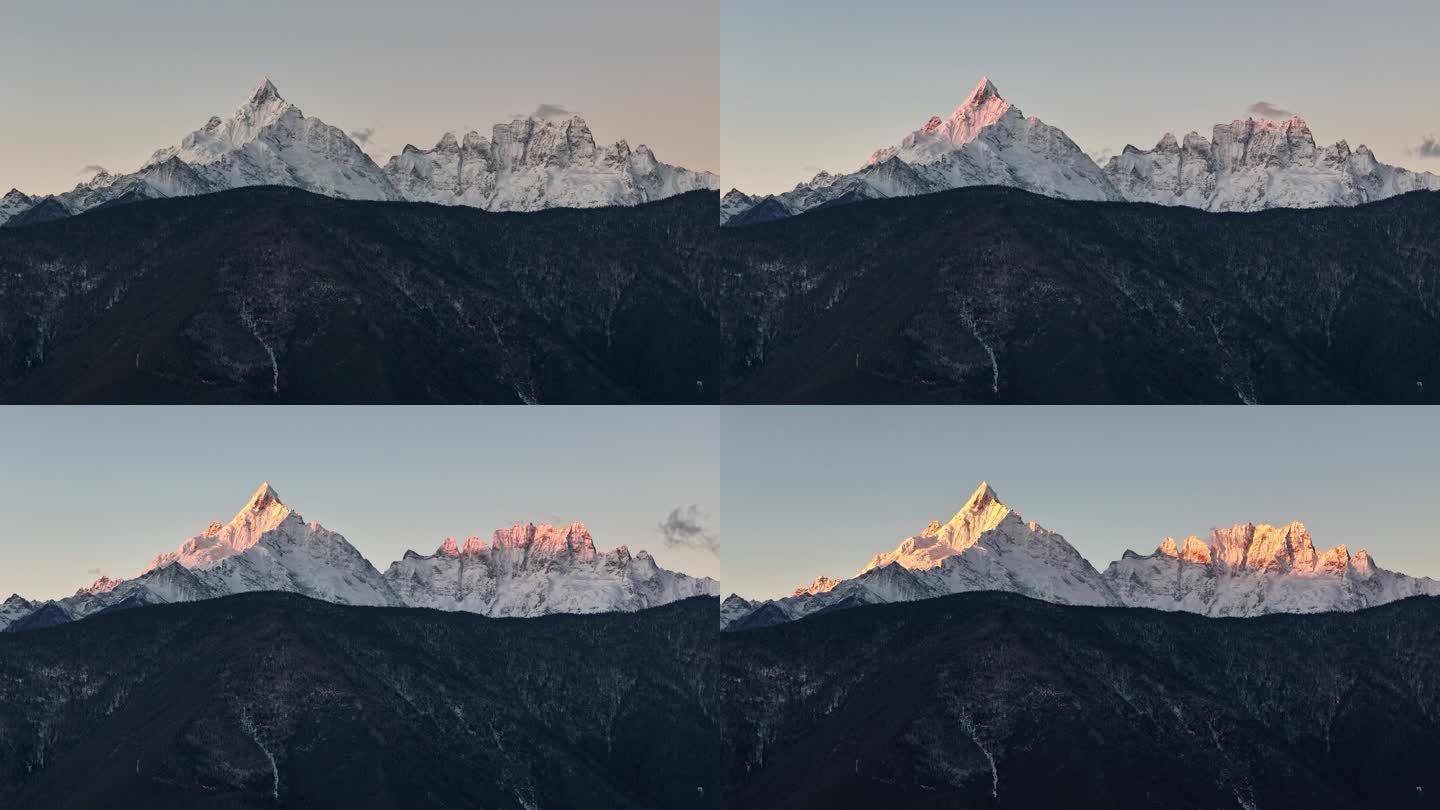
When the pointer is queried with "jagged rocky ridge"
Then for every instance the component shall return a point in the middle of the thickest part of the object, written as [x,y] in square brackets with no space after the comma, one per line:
[274,700]
[1248,165]
[529,570]
[1246,570]
[1250,569]
[529,164]
[997,700]
[1252,165]
[534,163]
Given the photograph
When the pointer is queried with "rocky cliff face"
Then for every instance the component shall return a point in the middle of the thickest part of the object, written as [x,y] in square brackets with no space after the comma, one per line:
[1252,569]
[530,569]
[530,163]
[1252,165]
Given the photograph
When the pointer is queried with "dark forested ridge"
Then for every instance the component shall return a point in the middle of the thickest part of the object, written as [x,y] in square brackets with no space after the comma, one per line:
[973,295]
[997,295]
[275,700]
[996,700]
[277,295]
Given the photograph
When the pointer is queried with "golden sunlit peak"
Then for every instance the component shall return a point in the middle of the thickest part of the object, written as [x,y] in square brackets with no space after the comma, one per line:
[982,496]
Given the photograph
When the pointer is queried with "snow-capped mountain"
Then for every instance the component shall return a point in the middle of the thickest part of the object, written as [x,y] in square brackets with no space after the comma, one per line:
[533,163]
[266,546]
[1251,569]
[530,570]
[1252,165]
[734,202]
[528,164]
[16,607]
[1246,165]
[986,141]
[266,142]
[14,202]
[102,584]
[986,546]
[1246,570]
[527,570]
[732,607]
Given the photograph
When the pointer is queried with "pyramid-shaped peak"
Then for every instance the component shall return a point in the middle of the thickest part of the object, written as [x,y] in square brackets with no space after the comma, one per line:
[263,498]
[262,513]
[982,497]
[265,91]
[983,91]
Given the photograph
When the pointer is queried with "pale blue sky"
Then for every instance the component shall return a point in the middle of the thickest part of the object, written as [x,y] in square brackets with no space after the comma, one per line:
[107,83]
[812,491]
[812,84]
[91,490]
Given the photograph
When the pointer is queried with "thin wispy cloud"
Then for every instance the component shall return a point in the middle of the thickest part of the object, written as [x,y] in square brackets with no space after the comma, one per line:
[1102,156]
[92,169]
[686,527]
[1265,109]
[363,136]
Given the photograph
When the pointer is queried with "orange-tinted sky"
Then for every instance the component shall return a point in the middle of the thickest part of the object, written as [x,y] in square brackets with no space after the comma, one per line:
[91,83]
[103,490]
[812,491]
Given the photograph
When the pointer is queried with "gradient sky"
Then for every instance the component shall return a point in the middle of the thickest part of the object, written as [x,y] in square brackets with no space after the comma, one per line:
[820,84]
[86,491]
[94,83]
[812,491]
